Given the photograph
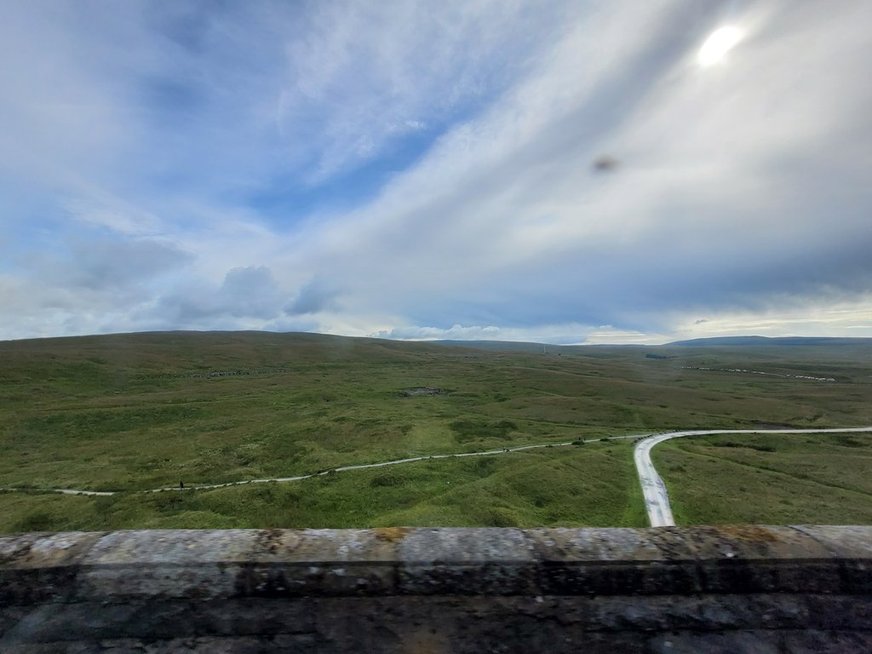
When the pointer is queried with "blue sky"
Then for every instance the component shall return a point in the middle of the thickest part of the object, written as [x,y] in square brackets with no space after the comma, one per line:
[427,170]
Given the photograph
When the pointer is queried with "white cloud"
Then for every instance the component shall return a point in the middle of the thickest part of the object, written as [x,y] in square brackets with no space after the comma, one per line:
[791,316]
[114,214]
[569,334]
[713,191]
[360,75]
[741,189]
[608,335]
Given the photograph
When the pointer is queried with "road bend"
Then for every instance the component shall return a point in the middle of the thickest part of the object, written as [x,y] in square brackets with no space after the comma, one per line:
[654,490]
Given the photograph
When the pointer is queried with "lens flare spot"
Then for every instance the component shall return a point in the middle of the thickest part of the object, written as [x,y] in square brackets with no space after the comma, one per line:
[718,44]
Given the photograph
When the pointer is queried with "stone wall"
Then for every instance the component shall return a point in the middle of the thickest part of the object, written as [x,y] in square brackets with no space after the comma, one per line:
[728,589]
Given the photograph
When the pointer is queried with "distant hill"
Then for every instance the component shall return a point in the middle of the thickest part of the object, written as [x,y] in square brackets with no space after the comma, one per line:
[239,343]
[744,341]
[208,350]
[512,346]
[718,341]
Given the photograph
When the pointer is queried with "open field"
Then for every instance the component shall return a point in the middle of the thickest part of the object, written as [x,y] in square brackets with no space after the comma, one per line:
[590,485]
[132,412]
[769,479]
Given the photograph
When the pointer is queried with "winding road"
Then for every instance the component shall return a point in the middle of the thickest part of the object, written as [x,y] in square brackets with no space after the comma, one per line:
[654,490]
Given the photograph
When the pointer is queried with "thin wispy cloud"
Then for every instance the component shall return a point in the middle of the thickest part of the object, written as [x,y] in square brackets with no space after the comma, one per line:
[412,171]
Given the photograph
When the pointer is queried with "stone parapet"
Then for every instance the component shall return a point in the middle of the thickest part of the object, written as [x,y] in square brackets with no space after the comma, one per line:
[744,588]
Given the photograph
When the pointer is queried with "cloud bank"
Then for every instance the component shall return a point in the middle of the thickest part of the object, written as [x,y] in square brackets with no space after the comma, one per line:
[410,171]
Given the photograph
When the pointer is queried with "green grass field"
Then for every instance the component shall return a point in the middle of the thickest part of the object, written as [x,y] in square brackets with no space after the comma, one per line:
[590,485]
[133,412]
[769,479]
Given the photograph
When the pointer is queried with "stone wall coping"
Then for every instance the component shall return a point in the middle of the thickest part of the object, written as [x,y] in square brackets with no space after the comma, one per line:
[237,563]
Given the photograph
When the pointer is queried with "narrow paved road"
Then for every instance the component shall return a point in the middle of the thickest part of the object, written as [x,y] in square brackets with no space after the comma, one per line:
[654,490]
[363,466]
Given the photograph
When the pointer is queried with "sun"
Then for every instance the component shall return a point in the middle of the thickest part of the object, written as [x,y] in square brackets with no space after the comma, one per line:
[718,44]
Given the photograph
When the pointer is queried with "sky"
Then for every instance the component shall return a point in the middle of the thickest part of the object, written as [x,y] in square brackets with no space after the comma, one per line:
[556,171]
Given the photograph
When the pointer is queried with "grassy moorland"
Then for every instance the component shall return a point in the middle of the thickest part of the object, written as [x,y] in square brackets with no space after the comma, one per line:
[133,412]
[590,485]
[769,479]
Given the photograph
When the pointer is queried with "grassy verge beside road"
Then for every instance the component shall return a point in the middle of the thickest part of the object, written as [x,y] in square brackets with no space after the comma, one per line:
[768,479]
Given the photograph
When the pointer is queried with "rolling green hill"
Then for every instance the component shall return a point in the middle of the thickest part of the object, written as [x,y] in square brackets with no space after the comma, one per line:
[137,411]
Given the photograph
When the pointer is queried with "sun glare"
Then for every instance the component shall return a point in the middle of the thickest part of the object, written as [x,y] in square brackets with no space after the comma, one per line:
[718,44]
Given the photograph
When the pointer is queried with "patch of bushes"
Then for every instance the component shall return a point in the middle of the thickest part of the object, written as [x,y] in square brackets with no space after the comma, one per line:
[36,521]
[470,429]
[484,465]
[387,479]
[849,441]
[751,446]
[501,517]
